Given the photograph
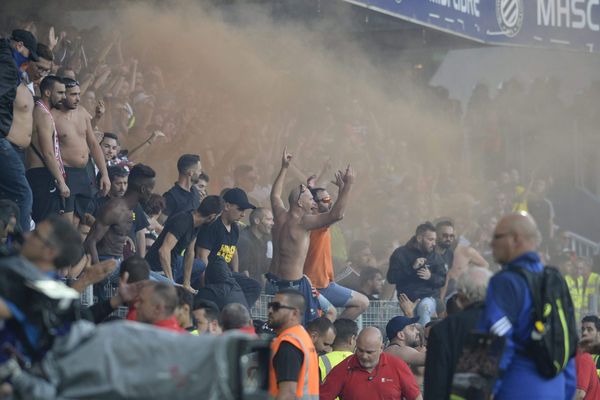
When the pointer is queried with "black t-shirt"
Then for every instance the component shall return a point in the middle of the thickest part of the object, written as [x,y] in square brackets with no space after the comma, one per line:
[182,227]
[178,200]
[218,240]
[287,362]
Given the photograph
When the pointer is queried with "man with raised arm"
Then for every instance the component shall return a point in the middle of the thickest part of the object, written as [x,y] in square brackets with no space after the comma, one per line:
[292,228]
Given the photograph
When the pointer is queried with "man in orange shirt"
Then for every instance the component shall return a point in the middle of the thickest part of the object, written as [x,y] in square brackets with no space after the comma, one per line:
[318,265]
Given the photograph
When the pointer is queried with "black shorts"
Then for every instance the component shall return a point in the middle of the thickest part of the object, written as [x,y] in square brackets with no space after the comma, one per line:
[46,198]
[82,185]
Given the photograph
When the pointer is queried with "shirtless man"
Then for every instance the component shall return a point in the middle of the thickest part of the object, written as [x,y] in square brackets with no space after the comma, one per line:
[16,120]
[46,173]
[292,228]
[77,143]
[114,220]
[458,257]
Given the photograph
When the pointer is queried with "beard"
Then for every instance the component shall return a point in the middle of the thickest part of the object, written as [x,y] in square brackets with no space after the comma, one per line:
[445,245]
[55,104]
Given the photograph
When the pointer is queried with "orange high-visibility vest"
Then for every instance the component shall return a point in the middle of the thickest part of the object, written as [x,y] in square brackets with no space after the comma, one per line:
[308,379]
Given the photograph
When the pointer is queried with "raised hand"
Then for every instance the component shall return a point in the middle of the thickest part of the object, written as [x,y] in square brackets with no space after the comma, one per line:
[52,38]
[338,180]
[349,175]
[100,109]
[406,305]
[286,159]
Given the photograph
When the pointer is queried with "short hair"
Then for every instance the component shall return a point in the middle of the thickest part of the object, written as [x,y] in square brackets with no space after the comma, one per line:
[367,274]
[186,162]
[184,297]
[444,223]
[110,135]
[137,267]
[424,227]
[315,192]
[320,325]
[204,177]
[235,316]
[67,241]
[211,310]
[155,204]
[61,72]
[43,51]
[69,83]
[116,171]
[592,319]
[166,293]
[473,283]
[138,174]
[211,205]
[48,83]
[345,328]
[257,213]
[295,298]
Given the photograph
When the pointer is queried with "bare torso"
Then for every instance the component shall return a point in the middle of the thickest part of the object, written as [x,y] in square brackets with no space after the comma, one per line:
[463,257]
[290,245]
[39,115]
[113,241]
[22,125]
[72,126]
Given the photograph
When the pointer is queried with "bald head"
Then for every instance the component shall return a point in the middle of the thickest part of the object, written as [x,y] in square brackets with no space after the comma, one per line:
[515,234]
[369,346]
[370,334]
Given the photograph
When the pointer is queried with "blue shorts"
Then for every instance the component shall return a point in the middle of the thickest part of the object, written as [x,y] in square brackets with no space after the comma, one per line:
[337,295]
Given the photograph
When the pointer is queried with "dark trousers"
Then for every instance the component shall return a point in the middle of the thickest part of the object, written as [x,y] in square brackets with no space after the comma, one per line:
[250,287]
[13,183]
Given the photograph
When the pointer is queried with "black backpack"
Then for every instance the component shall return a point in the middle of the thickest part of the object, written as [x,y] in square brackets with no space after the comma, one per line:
[554,337]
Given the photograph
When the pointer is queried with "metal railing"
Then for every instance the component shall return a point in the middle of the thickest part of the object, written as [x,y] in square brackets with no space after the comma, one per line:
[378,314]
[582,246]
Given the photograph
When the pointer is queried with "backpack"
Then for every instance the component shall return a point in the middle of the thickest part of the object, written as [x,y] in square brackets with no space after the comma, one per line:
[553,339]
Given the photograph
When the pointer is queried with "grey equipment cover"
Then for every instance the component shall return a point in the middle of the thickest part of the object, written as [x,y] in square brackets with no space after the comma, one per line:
[130,360]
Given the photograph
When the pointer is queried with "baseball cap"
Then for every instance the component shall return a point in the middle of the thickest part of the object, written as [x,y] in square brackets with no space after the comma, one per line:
[396,324]
[238,197]
[29,41]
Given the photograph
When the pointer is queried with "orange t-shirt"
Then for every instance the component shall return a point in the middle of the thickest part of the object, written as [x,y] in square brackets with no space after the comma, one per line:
[318,265]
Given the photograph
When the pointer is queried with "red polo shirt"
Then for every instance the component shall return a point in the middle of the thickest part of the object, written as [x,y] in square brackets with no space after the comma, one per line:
[390,380]
[587,378]
[170,324]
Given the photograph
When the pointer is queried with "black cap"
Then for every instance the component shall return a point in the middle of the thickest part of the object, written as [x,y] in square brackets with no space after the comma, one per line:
[29,41]
[238,197]
[396,324]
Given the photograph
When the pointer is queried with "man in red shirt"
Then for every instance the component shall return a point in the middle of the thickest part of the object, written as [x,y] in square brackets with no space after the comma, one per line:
[156,306]
[588,386]
[370,374]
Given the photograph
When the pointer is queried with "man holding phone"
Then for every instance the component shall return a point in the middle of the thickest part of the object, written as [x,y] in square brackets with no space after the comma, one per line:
[419,272]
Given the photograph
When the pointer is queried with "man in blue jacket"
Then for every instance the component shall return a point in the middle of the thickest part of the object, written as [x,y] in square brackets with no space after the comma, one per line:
[508,313]
[419,272]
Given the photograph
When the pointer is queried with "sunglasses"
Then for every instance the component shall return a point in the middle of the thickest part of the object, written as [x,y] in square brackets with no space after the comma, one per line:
[70,83]
[325,200]
[302,190]
[276,306]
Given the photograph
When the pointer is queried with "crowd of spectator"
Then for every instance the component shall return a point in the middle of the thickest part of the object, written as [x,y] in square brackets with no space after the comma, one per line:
[87,136]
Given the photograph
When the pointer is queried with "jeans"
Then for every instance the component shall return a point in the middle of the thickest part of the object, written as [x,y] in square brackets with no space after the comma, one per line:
[13,183]
[198,268]
[425,309]
[107,288]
